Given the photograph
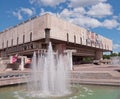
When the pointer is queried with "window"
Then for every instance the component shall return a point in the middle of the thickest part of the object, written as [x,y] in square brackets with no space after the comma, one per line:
[74,39]
[2,44]
[11,42]
[23,38]
[17,40]
[67,37]
[30,36]
[80,40]
[7,43]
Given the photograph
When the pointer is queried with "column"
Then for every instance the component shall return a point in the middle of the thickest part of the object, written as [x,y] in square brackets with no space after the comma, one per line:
[98,55]
[22,64]
[47,35]
[69,58]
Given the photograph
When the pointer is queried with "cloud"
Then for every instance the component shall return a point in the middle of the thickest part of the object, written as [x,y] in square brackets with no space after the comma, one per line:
[42,12]
[78,3]
[116,46]
[26,11]
[76,12]
[87,17]
[100,10]
[79,16]
[17,14]
[110,23]
[87,22]
[47,2]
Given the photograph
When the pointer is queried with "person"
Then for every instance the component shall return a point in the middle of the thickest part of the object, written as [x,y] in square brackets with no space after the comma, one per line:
[14,58]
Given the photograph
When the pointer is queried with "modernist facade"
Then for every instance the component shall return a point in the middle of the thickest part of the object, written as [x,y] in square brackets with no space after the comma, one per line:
[35,33]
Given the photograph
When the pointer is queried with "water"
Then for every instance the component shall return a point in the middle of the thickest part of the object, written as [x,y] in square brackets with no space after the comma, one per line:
[79,92]
[115,61]
[49,74]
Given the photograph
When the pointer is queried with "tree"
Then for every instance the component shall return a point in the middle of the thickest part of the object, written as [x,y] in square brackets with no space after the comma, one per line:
[119,54]
[114,54]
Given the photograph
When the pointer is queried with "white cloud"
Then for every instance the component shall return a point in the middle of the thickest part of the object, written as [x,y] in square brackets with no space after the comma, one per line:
[27,11]
[116,46]
[110,23]
[100,10]
[87,22]
[78,3]
[82,16]
[18,15]
[47,2]
[79,10]
[77,16]
[76,12]
[42,12]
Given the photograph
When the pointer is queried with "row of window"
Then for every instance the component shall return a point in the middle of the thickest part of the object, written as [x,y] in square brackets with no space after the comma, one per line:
[74,38]
[17,40]
[88,41]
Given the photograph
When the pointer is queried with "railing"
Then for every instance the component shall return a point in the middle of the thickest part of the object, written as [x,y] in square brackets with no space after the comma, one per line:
[13,78]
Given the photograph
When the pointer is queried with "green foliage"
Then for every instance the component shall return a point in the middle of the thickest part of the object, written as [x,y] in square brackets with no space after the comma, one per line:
[106,56]
[119,54]
[114,54]
[87,59]
[111,55]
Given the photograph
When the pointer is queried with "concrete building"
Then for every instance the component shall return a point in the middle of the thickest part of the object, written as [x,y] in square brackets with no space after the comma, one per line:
[35,33]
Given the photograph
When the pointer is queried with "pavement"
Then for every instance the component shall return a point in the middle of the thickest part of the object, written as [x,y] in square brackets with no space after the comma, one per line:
[104,74]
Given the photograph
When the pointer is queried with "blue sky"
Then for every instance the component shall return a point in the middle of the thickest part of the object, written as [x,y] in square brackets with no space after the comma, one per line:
[99,16]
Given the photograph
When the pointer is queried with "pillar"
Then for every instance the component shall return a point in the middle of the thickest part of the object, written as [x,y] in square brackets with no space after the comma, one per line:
[69,58]
[22,64]
[98,55]
[47,35]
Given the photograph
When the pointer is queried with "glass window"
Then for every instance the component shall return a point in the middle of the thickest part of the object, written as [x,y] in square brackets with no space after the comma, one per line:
[30,36]
[23,38]
[67,37]
[11,42]
[7,43]
[2,44]
[17,40]
[74,39]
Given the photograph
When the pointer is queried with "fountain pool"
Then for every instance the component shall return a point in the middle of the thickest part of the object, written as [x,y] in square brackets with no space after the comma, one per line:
[80,92]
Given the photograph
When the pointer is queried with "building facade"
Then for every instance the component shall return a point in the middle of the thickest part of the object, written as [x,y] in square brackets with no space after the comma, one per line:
[35,33]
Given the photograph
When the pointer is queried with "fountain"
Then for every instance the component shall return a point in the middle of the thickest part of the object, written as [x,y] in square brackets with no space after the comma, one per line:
[115,61]
[49,80]
[49,74]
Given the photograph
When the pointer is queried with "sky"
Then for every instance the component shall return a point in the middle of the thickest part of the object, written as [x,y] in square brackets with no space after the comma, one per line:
[99,16]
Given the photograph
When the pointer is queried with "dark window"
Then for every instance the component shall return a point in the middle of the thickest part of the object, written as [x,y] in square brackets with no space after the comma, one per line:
[2,44]
[80,40]
[67,37]
[23,38]
[17,40]
[11,42]
[7,43]
[74,39]
[86,41]
[30,36]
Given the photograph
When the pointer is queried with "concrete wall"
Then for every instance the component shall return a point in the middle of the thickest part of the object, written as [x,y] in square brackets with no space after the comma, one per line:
[58,30]
[35,26]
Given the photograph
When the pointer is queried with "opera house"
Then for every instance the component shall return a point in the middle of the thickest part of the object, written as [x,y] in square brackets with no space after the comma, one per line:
[35,33]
